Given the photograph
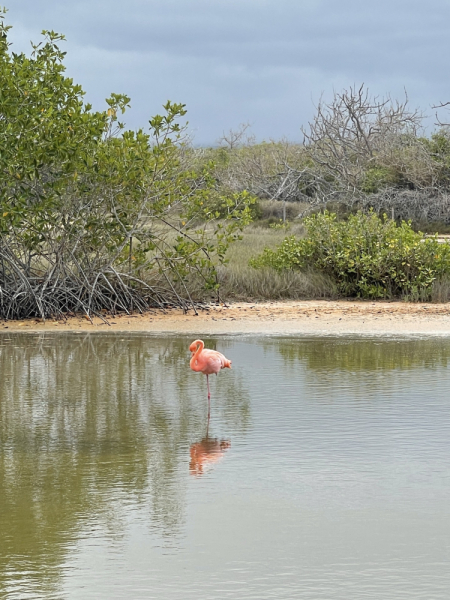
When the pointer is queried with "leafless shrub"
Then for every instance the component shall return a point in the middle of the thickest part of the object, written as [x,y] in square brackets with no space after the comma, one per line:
[355,146]
[439,121]
[234,138]
[276,171]
[427,204]
[350,134]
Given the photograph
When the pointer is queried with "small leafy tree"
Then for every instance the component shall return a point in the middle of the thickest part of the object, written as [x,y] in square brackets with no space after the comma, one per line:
[93,216]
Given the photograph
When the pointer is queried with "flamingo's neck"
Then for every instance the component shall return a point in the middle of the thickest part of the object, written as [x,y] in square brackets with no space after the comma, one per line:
[200,346]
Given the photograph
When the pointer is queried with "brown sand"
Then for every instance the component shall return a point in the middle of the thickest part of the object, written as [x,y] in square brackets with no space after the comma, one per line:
[302,318]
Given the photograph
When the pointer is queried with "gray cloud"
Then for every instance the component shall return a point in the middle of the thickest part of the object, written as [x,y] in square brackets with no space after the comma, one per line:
[230,61]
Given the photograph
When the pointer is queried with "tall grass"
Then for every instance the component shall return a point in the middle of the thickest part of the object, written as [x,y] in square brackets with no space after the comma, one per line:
[440,291]
[245,283]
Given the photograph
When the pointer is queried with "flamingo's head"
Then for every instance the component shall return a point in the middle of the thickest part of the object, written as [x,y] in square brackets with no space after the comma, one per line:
[193,347]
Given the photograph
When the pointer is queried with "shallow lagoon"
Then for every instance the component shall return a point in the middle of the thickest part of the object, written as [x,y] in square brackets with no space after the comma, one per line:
[323,473]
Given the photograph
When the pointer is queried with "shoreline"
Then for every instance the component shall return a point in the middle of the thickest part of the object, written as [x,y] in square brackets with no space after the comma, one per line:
[308,317]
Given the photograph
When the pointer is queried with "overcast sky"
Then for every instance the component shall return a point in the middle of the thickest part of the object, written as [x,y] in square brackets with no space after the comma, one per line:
[265,62]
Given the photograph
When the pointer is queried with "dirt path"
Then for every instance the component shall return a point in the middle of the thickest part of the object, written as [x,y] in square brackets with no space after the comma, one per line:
[308,318]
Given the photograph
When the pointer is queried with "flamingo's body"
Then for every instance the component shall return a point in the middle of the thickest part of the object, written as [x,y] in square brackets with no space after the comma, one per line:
[207,361]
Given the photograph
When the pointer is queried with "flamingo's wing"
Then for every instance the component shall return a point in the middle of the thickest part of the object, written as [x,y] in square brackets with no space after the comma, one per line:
[224,361]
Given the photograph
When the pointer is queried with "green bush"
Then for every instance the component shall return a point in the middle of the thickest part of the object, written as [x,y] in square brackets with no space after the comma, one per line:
[376,178]
[367,256]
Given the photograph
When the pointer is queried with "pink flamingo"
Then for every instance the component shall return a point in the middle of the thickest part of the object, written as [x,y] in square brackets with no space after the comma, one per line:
[207,362]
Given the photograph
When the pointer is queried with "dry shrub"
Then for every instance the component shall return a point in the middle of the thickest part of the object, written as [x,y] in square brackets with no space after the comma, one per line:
[274,209]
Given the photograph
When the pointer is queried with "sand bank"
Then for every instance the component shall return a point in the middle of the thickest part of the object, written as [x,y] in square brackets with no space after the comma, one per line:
[301,318]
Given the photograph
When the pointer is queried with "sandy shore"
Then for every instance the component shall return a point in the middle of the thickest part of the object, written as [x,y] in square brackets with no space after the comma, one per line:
[301,318]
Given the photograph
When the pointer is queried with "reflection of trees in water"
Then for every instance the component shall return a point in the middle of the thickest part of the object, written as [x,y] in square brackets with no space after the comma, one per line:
[354,355]
[86,422]
[361,369]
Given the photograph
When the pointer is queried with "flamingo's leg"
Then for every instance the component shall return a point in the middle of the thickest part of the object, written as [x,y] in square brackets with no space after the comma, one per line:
[209,396]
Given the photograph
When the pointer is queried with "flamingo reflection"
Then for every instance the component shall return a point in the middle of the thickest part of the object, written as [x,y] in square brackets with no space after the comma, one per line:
[206,452]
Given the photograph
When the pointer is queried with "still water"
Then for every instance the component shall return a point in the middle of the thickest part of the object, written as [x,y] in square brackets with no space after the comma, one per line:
[323,474]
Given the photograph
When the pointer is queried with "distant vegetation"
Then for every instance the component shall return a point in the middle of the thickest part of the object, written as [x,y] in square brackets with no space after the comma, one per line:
[96,218]
[365,179]
[358,152]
